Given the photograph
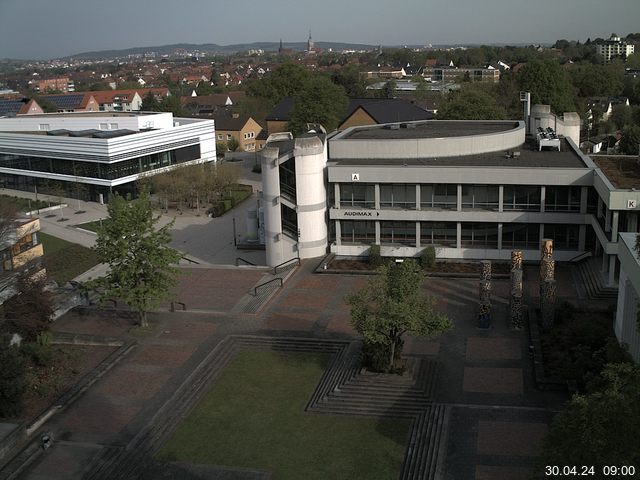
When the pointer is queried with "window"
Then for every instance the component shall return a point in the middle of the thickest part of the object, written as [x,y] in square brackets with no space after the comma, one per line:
[357,231]
[479,235]
[485,197]
[521,235]
[439,233]
[287,172]
[565,237]
[44,126]
[104,126]
[357,195]
[289,221]
[220,137]
[521,198]
[229,136]
[398,232]
[439,196]
[398,195]
[562,199]
[113,126]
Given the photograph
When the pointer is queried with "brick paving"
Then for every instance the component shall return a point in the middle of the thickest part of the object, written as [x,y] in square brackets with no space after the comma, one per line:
[478,368]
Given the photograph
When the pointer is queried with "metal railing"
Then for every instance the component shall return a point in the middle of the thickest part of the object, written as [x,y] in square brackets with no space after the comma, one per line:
[255,289]
[240,259]
[296,259]
[580,257]
[189,260]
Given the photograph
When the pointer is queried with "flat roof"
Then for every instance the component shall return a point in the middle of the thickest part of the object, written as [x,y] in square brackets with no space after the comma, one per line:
[529,157]
[88,114]
[621,170]
[429,129]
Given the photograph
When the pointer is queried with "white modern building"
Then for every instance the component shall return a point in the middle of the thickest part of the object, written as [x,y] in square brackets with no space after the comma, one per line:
[107,152]
[614,47]
[472,189]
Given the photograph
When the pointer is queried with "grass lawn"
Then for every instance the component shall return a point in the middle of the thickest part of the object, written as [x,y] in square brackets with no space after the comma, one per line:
[92,226]
[65,260]
[254,417]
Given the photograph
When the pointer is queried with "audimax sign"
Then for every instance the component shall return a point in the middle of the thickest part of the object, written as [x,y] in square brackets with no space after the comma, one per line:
[360,213]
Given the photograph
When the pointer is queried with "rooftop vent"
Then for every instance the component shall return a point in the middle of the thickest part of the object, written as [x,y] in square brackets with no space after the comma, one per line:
[391,126]
[407,125]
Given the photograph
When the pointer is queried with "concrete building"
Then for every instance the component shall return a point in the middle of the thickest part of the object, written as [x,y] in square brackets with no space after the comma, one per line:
[472,189]
[614,47]
[626,325]
[20,252]
[105,152]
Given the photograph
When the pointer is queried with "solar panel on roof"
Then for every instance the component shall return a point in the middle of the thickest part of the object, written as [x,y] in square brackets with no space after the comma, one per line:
[66,102]
[10,106]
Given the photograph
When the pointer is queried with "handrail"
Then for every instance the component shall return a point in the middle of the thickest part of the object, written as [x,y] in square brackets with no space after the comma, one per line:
[245,261]
[582,256]
[255,290]
[275,269]
[189,260]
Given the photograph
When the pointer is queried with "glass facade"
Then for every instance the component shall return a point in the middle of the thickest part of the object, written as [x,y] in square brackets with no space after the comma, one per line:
[521,198]
[287,171]
[520,235]
[565,237]
[484,197]
[398,195]
[289,221]
[403,233]
[562,199]
[357,195]
[443,196]
[104,171]
[438,233]
[479,235]
[357,232]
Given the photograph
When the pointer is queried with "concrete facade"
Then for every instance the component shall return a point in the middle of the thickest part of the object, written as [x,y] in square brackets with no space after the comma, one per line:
[627,327]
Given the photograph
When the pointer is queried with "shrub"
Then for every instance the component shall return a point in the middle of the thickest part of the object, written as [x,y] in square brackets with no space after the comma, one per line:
[375,259]
[12,380]
[428,257]
[40,355]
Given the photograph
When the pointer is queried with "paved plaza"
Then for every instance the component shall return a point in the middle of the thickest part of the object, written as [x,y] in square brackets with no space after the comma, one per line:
[495,418]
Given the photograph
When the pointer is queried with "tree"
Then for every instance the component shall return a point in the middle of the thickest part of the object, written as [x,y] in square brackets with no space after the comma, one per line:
[389,89]
[630,142]
[288,80]
[8,214]
[150,103]
[391,305]
[12,379]
[232,144]
[350,78]
[621,116]
[141,271]
[549,84]
[29,312]
[600,428]
[319,102]
[470,104]
[171,104]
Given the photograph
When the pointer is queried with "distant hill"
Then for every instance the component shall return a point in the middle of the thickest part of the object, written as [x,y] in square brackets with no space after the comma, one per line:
[214,49]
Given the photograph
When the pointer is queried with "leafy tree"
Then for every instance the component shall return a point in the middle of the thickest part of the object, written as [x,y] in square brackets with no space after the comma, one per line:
[12,380]
[29,312]
[549,84]
[597,80]
[470,104]
[141,271]
[389,89]
[630,142]
[171,104]
[621,116]
[150,103]
[393,304]
[319,102]
[350,78]
[600,428]
[232,144]
[288,80]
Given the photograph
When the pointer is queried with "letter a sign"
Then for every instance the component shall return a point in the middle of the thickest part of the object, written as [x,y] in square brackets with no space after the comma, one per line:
[355,177]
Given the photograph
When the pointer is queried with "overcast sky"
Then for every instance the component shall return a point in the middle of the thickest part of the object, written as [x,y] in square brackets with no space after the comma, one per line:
[56,28]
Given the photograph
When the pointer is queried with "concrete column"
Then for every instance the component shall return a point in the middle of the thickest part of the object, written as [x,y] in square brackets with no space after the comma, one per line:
[605,262]
[615,217]
[459,235]
[417,234]
[612,271]
[584,193]
[501,198]
[599,211]
[377,232]
[582,237]
[376,192]
[459,199]
[500,235]
[541,232]
[543,198]
[418,197]
[338,232]
[336,193]
[607,221]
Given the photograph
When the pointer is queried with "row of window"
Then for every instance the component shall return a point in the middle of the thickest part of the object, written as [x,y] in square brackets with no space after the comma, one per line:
[107,171]
[473,235]
[484,197]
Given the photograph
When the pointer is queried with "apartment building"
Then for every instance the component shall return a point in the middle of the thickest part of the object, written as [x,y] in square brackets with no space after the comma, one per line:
[614,47]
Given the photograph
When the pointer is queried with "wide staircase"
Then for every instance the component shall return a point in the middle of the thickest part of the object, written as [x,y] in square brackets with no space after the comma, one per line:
[593,281]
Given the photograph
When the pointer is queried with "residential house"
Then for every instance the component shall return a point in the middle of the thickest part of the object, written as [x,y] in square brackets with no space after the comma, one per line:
[63,84]
[73,102]
[605,106]
[20,252]
[374,111]
[18,106]
[244,130]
